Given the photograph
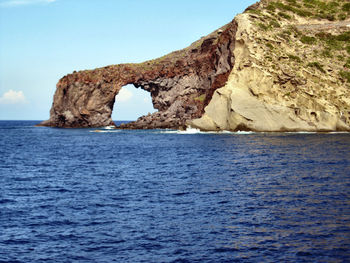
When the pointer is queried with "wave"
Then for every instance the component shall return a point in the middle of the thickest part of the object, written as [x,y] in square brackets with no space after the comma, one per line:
[106,131]
[109,128]
[197,131]
[187,131]
[191,130]
[300,132]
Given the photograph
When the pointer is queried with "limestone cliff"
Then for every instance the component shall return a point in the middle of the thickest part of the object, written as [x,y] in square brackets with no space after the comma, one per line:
[280,66]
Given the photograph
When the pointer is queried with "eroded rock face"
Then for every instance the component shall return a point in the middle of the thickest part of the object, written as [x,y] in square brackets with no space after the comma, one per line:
[181,85]
[290,73]
[279,66]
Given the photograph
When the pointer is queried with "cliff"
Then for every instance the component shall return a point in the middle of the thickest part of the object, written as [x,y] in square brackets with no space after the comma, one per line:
[279,66]
[291,71]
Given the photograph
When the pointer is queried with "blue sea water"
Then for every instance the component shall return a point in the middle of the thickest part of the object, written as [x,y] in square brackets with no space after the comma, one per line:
[76,195]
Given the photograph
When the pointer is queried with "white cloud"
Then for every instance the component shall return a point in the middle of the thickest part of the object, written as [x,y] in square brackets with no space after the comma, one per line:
[13,97]
[13,3]
[123,95]
[146,100]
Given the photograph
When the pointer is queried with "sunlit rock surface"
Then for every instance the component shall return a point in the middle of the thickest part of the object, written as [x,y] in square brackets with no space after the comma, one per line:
[279,66]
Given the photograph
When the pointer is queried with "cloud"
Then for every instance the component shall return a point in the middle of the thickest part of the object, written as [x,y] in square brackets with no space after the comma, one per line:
[13,97]
[14,3]
[123,95]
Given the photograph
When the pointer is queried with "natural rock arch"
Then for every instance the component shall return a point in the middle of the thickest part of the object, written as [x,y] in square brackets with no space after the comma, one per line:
[181,85]
[131,103]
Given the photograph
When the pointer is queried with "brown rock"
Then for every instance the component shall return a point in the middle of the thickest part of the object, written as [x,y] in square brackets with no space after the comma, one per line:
[175,81]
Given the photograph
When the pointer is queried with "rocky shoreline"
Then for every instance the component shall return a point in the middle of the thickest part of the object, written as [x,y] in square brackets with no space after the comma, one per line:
[276,67]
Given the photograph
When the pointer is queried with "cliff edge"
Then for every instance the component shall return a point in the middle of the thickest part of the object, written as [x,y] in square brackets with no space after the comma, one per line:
[291,71]
[280,66]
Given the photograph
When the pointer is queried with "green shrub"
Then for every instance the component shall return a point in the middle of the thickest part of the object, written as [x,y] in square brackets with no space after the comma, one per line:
[287,32]
[303,13]
[323,35]
[284,15]
[342,16]
[271,8]
[201,98]
[295,58]
[323,6]
[282,6]
[311,2]
[255,11]
[330,17]
[345,75]
[344,37]
[307,5]
[294,7]
[333,4]
[263,26]
[270,46]
[347,64]
[346,7]
[275,24]
[308,40]
[317,66]
[326,53]
[333,42]
[348,49]
[340,57]
[295,30]
[285,35]
[268,58]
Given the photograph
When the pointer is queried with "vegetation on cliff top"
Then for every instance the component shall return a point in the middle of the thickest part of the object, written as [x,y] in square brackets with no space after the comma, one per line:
[316,33]
[331,10]
[280,17]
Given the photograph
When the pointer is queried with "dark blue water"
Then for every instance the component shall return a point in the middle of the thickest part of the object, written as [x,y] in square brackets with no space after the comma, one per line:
[149,196]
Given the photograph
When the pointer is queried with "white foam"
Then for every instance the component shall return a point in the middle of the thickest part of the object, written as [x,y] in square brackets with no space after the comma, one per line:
[301,132]
[243,132]
[191,130]
[109,128]
[105,131]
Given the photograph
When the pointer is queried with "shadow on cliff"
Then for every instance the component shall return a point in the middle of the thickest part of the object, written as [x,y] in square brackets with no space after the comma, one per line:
[181,84]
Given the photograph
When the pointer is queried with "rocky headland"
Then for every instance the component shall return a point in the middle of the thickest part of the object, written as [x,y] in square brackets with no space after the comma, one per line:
[280,66]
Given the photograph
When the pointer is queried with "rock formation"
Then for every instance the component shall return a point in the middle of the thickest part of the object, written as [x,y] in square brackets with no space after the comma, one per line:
[279,66]
[291,71]
[181,85]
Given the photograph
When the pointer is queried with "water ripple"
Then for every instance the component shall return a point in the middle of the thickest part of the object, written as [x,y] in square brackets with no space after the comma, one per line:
[151,196]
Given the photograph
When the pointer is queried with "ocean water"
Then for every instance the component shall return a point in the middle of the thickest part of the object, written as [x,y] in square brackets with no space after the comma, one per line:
[77,195]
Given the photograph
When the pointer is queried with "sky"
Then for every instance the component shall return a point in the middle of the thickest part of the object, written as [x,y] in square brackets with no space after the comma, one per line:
[43,40]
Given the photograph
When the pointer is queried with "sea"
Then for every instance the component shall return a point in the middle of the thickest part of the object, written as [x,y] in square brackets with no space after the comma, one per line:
[105,195]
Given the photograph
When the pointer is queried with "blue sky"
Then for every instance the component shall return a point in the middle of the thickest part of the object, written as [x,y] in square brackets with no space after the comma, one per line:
[43,40]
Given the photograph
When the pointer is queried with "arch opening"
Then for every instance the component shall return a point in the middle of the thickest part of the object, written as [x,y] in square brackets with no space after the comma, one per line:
[130,104]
